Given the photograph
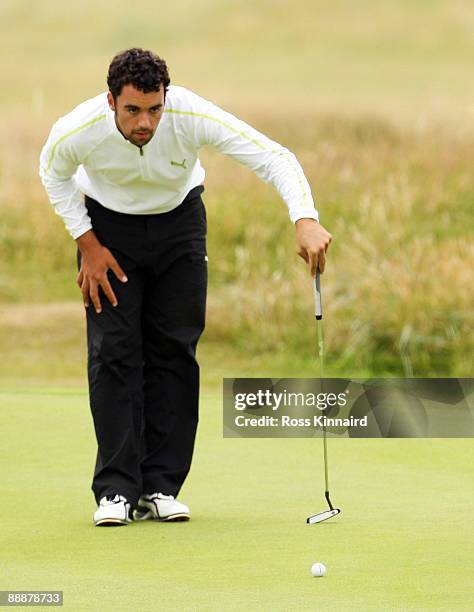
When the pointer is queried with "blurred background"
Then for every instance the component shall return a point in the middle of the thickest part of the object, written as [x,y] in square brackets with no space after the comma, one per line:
[374,97]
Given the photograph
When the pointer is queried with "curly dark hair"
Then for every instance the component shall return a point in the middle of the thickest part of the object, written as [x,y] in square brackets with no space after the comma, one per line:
[142,69]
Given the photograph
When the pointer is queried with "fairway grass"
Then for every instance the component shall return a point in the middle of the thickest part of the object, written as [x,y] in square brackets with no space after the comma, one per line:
[402,541]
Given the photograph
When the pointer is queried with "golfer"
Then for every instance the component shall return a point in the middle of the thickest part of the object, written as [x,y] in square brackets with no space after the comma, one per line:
[122,170]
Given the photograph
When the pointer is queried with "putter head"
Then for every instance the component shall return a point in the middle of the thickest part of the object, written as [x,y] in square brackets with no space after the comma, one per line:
[322,516]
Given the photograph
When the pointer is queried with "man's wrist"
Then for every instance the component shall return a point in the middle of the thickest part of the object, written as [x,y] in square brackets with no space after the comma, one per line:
[87,242]
[304,220]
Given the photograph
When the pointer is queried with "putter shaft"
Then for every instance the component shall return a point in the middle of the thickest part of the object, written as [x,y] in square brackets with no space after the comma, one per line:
[318,311]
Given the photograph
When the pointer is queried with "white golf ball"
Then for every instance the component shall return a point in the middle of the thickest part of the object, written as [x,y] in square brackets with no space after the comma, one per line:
[318,569]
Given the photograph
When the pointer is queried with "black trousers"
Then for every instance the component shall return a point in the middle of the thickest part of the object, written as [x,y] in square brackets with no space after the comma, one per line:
[142,370]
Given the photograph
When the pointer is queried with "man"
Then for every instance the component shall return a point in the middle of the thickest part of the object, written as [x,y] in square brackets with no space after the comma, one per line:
[122,170]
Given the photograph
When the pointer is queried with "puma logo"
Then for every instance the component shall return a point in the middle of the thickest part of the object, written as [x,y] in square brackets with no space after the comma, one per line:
[181,165]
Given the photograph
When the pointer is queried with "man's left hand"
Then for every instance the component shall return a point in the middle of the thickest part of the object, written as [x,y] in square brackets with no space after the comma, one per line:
[312,242]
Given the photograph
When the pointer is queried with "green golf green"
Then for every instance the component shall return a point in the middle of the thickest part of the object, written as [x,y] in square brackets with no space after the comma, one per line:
[402,541]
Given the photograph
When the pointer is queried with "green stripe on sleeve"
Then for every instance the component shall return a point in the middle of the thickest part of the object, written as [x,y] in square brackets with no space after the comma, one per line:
[58,142]
[226,125]
[244,135]
[296,173]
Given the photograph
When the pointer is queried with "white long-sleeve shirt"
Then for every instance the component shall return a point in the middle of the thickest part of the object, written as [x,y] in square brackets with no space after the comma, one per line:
[86,154]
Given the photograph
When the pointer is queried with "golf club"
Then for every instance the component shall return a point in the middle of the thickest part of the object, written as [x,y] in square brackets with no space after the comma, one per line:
[318,311]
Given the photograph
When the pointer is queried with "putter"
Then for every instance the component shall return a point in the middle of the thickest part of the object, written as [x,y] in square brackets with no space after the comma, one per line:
[318,311]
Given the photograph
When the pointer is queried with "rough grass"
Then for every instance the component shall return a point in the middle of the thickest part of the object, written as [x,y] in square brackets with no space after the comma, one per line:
[409,58]
[375,100]
[397,291]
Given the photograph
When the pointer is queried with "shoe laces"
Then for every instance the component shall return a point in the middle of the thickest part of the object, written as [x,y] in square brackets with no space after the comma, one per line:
[152,496]
[112,499]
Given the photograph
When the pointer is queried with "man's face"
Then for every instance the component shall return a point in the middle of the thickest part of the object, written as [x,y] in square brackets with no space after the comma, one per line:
[137,114]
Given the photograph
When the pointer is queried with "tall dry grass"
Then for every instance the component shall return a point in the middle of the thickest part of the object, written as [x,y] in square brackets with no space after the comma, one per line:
[398,287]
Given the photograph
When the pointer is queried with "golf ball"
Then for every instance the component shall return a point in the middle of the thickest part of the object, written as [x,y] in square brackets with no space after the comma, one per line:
[318,569]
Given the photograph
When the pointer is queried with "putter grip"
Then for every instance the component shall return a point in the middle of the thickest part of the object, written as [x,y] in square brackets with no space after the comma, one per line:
[318,308]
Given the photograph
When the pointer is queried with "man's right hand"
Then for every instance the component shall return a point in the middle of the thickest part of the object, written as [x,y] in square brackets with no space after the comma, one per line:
[96,260]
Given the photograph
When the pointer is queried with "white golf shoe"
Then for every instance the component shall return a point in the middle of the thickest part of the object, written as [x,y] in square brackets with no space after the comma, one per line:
[160,507]
[113,510]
